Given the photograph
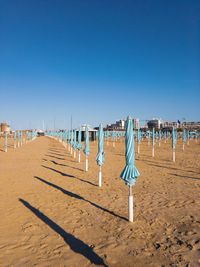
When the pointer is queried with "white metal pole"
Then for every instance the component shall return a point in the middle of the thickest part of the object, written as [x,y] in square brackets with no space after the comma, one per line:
[130,205]
[86,164]
[100,177]
[79,156]
[153,151]
[173,155]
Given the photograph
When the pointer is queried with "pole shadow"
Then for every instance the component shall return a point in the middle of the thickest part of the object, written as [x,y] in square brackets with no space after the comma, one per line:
[70,194]
[54,157]
[76,245]
[184,176]
[62,173]
[56,163]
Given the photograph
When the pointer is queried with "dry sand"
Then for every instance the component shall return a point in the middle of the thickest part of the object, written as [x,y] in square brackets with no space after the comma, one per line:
[54,214]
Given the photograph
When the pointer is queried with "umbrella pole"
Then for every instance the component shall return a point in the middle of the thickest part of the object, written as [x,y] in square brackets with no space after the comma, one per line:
[74,153]
[130,204]
[173,155]
[71,150]
[138,148]
[100,176]
[153,151]
[79,156]
[86,164]
[183,146]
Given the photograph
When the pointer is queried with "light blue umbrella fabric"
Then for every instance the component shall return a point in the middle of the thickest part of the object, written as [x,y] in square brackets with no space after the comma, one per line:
[5,140]
[153,136]
[173,138]
[160,135]
[71,140]
[100,154]
[130,172]
[86,149]
[74,142]
[15,136]
[184,135]
[138,136]
[79,145]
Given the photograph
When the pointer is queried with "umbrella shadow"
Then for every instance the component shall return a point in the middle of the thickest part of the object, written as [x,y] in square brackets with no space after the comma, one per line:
[56,163]
[57,154]
[75,244]
[70,194]
[62,173]
[184,176]
[54,157]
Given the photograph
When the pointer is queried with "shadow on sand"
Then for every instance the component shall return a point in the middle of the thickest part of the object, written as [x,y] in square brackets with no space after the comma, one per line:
[184,176]
[76,245]
[54,157]
[68,175]
[62,173]
[56,163]
[70,194]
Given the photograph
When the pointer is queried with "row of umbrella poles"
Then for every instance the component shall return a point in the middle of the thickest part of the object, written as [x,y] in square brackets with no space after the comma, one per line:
[19,138]
[130,173]
[174,136]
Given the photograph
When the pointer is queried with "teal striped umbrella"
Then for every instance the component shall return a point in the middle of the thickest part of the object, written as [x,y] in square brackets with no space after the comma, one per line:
[15,138]
[100,154]
[153,141]
[130,172]
[5,142]
[173,144]
[86,149]
[75,144]
[79,146]
[184,138]
[138,140]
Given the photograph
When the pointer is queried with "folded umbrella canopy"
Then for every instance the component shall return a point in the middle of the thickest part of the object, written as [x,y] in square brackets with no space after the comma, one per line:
[138,140]
[184,138]
[5,142]
[173,144]
[100,154]
[153,141]
[130,172]
[79,146]
[71,141]
[86,149]
[74,145]
[15,138]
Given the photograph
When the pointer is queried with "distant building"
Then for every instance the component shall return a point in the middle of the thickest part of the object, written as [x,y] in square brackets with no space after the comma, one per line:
[4,127]
[92,132]
[155,123]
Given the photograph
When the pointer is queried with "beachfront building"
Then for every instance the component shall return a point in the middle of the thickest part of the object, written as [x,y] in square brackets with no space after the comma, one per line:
[155,123]
[4,127]
[92,132]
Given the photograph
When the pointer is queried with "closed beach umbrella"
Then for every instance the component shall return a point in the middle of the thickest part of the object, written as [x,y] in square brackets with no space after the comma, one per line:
[79,146]
[100,154]
[160,137]
[130,172]
[5,142]
[138,140]
[113,138]
[74,144]
[86,149]
[153,141]
[173,144]
[71,141]
[15,137]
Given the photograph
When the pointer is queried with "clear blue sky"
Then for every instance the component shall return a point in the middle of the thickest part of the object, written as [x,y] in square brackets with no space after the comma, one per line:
[98,60]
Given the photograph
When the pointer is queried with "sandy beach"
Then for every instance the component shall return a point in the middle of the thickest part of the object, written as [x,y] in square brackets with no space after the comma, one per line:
[54,214]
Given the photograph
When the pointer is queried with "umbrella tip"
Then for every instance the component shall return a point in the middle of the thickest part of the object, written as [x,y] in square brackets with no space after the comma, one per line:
[129,117]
